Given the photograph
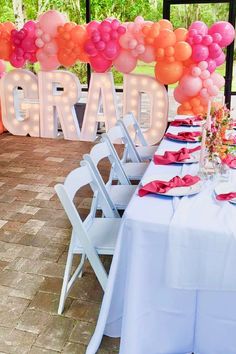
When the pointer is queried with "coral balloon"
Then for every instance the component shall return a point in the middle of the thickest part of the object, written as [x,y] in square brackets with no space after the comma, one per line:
[125,62]
[182,50]
[168,73]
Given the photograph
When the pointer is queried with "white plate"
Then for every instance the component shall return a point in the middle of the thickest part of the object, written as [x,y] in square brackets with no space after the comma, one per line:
[224,188]
[178,191]
[184,141]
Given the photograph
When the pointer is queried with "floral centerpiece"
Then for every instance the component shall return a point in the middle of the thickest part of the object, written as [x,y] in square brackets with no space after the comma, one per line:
[220,141]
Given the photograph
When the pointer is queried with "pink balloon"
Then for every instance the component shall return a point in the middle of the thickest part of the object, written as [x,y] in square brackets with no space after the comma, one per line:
[218,80]
[105,26]
[148,56]
[207,40]
[92,26]
[217,37]
[213,90]
[124,40]
[90,49]
[190,85]
[28,45]
[179,95]
[50,20]
[100,45]
[214,50]
[125,62]
[205,74]
[2,66]
[30,26]
[199,52]
[50,48]
[200,27]
[17,62]
[100,64]
[112,50]
[39,43]
[211,65]
[196,71]
[220,60]
[203,65]
[226,30]
[115,24]
[204,93]
[207,83]
[47,63]
[197,39]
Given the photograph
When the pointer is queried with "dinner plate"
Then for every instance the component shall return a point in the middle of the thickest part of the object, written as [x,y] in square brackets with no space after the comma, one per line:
[183,140]
[178,191]
[224,188]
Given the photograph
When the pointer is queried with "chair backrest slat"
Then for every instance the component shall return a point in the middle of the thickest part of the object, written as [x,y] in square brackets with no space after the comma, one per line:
[129,121]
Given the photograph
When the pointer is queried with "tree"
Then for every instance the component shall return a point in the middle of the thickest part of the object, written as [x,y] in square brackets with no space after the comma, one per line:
[18,13]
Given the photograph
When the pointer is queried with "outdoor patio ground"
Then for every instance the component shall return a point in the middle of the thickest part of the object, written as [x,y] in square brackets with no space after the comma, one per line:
[34,237]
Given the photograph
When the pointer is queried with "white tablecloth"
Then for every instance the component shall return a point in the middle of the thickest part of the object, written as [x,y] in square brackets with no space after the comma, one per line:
[138,305]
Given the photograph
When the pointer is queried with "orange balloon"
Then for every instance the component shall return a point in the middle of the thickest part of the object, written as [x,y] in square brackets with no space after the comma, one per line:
[186,105]
[181,34]
[65,60]
[168,73]
[169,51]
[165,24]
[198,109]
[183,51]
[181,110]
[165,39]
[195,102]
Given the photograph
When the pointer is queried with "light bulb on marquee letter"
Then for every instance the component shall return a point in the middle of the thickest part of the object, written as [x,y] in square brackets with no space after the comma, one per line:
[134,86]
[62,102]
[101,93]
[20,108]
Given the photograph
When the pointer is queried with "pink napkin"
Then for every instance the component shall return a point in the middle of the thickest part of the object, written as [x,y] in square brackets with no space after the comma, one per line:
[174,156]
[187,121]
[230,161]
[226,196]
[164,186]
[186,136]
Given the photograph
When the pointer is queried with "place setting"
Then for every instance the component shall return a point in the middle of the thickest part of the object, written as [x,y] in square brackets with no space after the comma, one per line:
[184,136]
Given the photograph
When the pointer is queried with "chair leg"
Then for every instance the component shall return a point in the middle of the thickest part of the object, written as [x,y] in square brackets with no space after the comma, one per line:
[83,259]
[65,282]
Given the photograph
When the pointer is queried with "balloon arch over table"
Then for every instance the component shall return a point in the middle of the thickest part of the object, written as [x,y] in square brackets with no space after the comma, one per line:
[187,56]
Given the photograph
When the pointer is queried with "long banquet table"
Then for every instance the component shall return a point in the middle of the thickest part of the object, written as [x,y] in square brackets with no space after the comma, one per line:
[139,305]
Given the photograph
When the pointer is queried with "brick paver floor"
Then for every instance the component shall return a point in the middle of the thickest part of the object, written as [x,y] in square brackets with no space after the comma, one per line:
[34,238]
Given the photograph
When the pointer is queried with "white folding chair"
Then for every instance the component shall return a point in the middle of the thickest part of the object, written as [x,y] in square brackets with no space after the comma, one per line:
[131,128]
[135,169]
[121,193]
[92,237]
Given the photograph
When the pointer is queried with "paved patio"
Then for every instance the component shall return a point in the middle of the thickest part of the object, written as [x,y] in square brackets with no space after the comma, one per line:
[34,237]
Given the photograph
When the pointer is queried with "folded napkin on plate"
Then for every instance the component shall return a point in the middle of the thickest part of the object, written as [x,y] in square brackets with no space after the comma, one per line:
[186,136]
[174,156]
[226,196]
[187,121]
[230,161]
[164,186]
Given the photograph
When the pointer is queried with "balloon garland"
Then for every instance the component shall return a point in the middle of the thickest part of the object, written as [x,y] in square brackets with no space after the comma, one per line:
[187,56]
